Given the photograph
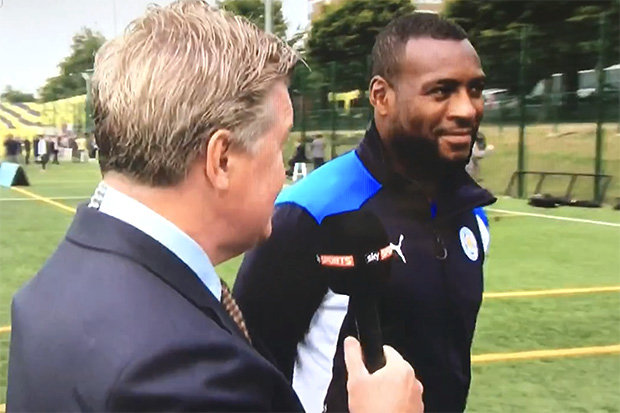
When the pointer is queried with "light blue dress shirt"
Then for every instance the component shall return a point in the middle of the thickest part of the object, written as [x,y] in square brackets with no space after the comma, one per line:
[138,215]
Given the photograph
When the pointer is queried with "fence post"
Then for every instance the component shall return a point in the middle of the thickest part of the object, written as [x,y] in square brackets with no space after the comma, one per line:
[598,156]
[268,16]
[500,120]
[302,92]
[366,92]
[333,113]
[521,148]
[556,105]
[88,107]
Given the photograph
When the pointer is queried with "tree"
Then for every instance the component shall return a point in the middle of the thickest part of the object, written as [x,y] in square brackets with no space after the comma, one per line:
[254,11]
[13,95]
[70,82]
[345,34]
[561,37]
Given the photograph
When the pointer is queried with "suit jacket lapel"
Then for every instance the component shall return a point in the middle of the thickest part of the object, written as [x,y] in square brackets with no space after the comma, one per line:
[93,229]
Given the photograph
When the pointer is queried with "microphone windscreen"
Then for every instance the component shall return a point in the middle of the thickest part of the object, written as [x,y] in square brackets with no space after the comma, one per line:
[354,251]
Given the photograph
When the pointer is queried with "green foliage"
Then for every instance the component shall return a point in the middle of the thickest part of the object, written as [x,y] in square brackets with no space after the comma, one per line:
[70,82]
[254,10]
[345,34]
[562,37]
[347,30]
[13,95]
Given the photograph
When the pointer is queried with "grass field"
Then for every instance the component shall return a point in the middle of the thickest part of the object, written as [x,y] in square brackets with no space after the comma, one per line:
[527,253]
[569,149]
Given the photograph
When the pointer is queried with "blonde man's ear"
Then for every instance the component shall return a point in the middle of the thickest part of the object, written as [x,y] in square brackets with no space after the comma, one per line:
[216,160]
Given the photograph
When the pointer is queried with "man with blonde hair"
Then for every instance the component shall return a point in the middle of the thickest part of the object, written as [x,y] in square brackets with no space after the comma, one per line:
[128,313]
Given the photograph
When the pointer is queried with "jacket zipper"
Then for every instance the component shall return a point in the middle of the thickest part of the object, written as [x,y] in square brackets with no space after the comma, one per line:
[441,252]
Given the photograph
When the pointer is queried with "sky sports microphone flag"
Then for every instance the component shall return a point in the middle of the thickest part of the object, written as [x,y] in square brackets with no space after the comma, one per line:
[355,254]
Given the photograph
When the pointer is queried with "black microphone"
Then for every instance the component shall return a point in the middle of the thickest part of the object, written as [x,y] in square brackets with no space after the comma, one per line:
[355,254]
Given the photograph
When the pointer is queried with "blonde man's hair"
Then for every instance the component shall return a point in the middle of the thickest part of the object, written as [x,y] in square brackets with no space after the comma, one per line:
[177,75]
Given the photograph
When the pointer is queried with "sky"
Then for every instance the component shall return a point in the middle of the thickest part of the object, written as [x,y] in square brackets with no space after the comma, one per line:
[35,35]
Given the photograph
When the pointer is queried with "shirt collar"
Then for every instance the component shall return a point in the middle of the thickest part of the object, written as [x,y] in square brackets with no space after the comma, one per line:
[124,208]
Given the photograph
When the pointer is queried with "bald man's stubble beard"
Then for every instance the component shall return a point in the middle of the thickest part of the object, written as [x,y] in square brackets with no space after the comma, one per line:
[419,158]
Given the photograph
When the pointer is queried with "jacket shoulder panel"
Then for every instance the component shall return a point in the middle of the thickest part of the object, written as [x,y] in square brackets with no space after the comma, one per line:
[343,184]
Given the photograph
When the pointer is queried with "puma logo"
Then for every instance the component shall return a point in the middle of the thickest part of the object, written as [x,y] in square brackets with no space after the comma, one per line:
[397,248]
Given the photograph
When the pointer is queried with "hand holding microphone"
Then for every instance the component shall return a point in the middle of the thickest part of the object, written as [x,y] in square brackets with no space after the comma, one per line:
[355,254]
[393,388]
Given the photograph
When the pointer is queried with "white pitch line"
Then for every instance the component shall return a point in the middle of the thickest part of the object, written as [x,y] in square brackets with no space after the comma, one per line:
[530,214]
[53,198]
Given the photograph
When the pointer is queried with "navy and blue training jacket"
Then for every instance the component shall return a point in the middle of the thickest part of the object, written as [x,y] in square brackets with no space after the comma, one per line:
[429,309]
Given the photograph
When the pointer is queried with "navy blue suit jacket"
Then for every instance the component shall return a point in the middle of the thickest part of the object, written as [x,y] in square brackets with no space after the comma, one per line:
[115,321]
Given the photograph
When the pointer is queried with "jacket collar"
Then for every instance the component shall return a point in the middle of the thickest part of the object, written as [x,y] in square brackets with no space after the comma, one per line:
[456,194]
[96,230]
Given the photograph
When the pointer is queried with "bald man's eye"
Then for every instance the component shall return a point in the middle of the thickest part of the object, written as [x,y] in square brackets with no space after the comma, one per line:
[476,88]
[441,92]
[475,91]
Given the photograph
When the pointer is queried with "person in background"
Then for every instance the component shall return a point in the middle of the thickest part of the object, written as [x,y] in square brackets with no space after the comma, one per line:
[27,149]
[18,149]
[299,156]
[191,112]
[43,150]
[35,147]
[92,147]
[478,151]
[317,149]
[81,148]
[409,170]
[54,149]
[11,149]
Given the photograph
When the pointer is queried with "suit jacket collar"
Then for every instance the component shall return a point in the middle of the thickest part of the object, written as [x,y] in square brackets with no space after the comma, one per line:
[93,229]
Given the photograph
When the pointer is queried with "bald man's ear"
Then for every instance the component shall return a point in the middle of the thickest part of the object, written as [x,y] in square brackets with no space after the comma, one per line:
[217,159]
[381,95]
